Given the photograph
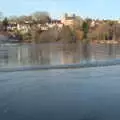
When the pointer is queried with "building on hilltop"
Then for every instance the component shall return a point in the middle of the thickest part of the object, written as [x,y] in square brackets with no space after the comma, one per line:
[71,20]
[68,20]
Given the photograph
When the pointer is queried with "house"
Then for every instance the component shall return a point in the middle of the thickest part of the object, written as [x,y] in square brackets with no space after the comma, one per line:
[12,26]
[55,23]
[68,20]
[44,27]
[23,27]
[93,24]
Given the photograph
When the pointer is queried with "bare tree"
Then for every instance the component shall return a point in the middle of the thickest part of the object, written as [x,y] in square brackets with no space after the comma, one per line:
[13,18]
[41,17]
[78,22]
[22,18]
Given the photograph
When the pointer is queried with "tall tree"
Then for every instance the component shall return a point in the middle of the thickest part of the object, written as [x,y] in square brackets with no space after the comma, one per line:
[5,23]
[85,28]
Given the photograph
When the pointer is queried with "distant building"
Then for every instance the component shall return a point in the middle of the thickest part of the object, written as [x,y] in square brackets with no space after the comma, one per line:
[93,23]
[44,27]
[68,20]
[55,23]
[23,27]
[119,21]
[72,20]
[12,26]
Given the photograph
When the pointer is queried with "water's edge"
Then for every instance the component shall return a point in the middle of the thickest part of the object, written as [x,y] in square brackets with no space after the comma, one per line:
[67,66]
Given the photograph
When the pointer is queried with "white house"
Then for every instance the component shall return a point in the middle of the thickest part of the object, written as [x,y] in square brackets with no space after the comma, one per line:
[93,23]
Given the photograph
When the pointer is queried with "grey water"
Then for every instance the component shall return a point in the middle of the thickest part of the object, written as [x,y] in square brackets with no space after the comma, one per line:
[59,94]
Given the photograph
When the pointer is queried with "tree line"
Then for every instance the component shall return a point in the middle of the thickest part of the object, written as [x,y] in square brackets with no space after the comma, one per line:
[106,30]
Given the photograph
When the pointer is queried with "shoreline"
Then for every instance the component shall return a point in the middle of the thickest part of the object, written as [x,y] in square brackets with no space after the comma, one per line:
[65,66]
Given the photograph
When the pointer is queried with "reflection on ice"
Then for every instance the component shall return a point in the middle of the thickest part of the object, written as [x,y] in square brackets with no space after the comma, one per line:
[58,55]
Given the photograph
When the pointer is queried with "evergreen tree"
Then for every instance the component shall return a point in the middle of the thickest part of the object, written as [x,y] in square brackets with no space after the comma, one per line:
[85,28]
[5,23]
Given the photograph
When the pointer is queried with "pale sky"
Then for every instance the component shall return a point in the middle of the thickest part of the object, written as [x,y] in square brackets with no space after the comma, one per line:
[103,9]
